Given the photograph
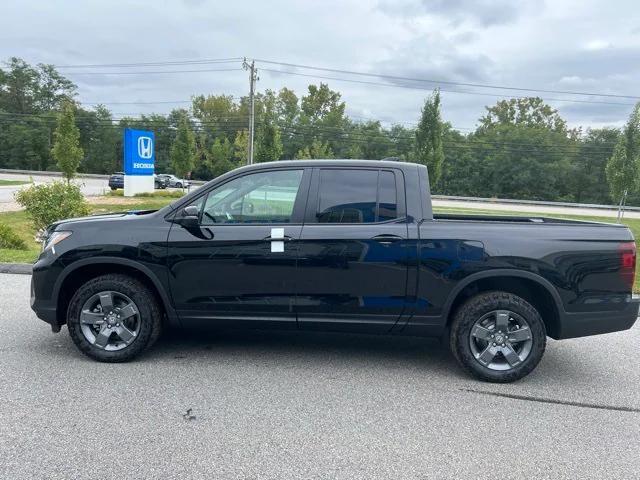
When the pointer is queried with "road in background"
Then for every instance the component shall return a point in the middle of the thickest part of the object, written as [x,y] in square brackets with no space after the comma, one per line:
[293,405]
[536,209]
[90,187]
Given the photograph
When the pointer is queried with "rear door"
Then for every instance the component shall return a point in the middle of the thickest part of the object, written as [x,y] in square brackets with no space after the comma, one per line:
[353,251]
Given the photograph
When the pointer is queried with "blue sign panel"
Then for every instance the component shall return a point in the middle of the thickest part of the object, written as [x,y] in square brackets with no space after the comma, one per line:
[139,152]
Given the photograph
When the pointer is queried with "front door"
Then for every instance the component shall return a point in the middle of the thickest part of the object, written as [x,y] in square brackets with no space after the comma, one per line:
[353,254]
[238,265]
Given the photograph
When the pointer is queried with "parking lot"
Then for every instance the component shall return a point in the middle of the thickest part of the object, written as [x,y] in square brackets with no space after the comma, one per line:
[283,405]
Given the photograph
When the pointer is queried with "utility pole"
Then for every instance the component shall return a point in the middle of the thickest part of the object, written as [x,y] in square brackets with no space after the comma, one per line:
[253,77]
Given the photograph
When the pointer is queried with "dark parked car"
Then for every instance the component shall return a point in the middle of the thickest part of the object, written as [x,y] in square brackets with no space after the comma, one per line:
[349,246]
[116,181]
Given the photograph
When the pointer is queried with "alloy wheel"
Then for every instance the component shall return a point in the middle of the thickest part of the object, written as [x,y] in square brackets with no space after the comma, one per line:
[501,340]
[110,320]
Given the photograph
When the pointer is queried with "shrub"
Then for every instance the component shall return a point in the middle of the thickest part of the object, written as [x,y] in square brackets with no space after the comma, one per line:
[10,239]
[50,202]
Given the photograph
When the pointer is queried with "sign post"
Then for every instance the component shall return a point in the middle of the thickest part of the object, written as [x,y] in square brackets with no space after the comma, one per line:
[139,161]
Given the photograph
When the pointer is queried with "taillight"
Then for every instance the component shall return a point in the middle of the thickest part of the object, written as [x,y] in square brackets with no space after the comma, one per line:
[628,262]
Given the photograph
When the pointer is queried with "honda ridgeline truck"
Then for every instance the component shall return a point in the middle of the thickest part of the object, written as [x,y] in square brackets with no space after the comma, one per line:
[335,245]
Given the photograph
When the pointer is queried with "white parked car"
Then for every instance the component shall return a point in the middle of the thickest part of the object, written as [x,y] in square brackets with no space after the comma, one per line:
[175,182]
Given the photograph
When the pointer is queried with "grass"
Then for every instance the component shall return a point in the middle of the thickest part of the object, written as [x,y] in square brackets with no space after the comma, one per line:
[7,183]
[157,194]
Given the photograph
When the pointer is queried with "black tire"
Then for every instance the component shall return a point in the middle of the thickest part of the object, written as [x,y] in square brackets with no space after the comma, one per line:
[178,185]
[113,188]
[477,307]
[146,302]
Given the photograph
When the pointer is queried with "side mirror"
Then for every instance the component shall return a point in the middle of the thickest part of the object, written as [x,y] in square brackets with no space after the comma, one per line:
[188,217]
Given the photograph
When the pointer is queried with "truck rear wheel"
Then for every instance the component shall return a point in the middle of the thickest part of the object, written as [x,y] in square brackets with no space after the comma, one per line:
[498,337]
[114,318]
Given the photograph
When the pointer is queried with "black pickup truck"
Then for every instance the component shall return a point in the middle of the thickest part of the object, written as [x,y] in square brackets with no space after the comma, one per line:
[340,245]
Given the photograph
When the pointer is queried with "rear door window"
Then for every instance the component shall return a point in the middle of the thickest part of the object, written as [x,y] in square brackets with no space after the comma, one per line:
[356,196]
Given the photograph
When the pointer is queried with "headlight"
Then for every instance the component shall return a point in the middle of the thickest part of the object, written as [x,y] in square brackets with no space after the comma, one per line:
[54,239]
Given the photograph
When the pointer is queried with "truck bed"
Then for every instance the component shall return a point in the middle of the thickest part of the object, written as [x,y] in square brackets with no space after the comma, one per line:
[466,217]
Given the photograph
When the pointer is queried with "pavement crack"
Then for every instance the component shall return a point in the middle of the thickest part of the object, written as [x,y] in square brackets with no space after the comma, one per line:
[569,403]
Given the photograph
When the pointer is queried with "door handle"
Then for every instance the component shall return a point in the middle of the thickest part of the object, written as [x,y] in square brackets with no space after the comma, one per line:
[387,239]
[286,238]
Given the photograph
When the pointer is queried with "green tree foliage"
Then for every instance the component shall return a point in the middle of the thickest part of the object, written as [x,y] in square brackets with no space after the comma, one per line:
[523,112]
[241,147]
[220,157]
[26,89]
[429,148]
[99,138]
[522,148]
[622,168]
[183,150]
[587,175]
[318,149]
[50,202]
[66,149]
[269,144]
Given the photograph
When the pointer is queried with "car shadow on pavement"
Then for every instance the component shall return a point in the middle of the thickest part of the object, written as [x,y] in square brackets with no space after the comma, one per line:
[283,347]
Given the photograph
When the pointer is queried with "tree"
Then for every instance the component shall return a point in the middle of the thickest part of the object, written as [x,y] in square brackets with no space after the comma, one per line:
[25,89]
[219,158]
[525,112]
[269,145]
[429,150]
[241,147]
[317,149]
[622,168]
[183,150]
[66,149]
[588,169]
[99,140]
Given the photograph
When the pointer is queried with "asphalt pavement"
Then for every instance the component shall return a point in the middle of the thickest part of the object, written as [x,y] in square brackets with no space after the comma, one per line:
[256,405]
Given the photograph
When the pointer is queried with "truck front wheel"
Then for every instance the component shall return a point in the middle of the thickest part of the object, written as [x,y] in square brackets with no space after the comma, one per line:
[113,318]
[498,337]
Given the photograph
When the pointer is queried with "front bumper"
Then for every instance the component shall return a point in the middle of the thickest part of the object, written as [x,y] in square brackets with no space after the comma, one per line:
[45,309]
[582,324]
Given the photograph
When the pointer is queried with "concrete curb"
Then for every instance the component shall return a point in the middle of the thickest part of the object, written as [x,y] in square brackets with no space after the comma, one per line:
[18,268]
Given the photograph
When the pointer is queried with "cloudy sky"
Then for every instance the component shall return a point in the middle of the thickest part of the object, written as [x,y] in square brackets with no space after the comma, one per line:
[571,46]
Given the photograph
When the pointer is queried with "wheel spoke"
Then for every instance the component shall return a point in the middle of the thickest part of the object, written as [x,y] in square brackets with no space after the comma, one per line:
[125,334]
[487,355]
[520,335]
[106,300]
[502,320]
[510,355]
[481,332]
[91,318]
[102,338]
[127,311]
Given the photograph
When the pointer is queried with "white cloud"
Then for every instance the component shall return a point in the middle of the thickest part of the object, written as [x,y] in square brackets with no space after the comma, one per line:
[581,44]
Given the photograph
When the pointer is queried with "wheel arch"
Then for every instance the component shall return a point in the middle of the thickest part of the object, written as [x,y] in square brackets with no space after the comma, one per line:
[81,271]
[535,289]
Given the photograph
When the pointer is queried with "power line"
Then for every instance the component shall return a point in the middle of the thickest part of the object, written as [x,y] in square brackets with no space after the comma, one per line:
[417,87]
[150,72]
[446,82]
[335,132]
[154,64]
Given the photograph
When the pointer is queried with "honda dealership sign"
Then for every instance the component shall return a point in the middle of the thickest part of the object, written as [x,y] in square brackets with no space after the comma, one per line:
[139,154]
[139,161]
